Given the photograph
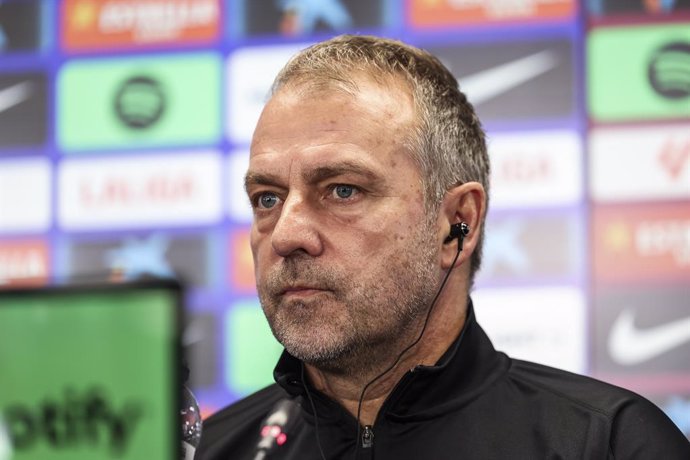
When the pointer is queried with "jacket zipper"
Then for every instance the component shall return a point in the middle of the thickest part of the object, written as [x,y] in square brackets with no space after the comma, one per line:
[368,432]
[367,437]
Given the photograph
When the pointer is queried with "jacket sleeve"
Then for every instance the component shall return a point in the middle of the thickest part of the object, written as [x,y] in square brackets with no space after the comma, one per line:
[642,431]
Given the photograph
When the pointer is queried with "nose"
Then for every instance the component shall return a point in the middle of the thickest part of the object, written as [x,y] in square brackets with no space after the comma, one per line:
[296,229]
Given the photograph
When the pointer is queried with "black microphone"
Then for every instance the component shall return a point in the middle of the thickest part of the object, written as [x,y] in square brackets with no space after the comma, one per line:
[274,429]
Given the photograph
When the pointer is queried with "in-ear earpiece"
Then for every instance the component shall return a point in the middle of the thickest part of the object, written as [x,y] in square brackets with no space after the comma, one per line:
[460,230]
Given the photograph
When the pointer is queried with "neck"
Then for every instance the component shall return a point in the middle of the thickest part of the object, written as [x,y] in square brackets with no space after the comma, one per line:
[345,386]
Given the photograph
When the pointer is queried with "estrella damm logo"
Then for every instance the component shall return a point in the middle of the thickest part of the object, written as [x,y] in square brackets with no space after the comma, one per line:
[109,24]
[447,13]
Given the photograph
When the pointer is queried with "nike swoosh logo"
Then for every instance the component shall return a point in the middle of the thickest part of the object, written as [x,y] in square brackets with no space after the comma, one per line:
[488,84]
[629,345]
[15,94]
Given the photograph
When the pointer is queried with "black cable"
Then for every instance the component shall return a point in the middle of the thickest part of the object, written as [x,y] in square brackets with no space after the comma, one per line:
[406,349]
[313,408]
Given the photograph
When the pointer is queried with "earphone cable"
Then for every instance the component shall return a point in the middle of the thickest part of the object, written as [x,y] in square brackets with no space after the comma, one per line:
[406,349]
[313,409]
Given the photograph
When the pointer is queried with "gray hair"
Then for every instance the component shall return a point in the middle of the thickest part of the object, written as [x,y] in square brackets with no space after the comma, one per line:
[448,143]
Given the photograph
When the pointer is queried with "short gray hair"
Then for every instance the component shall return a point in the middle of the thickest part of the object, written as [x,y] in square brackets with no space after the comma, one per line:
[448,143]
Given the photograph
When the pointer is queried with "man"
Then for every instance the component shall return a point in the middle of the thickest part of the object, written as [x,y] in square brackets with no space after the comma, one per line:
[368,177]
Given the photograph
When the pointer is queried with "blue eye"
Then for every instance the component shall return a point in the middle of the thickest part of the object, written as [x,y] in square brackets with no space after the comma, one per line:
[267,200]
[344,191]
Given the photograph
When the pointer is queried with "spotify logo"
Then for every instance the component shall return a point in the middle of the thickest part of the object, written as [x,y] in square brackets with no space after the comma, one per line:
[73,419]
[140,102]
[669,70]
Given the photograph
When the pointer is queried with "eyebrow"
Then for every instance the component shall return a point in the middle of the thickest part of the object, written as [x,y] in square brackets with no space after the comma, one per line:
[252,178]
[347,167]
[313,176]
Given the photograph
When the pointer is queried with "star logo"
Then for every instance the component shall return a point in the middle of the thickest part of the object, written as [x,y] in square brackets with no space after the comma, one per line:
[503,249]
[678,410]
[138,257]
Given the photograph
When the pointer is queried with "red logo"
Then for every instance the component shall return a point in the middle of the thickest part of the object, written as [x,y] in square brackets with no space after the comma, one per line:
[642,242]
[24,263]
[120,190]
[433,13]
[520,169]
[241,262]
[97,24]
[674,157]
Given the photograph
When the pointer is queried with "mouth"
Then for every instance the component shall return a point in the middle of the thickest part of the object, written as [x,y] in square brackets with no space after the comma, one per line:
[301,291]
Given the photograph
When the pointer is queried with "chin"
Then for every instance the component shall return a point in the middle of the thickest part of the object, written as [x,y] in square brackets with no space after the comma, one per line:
[317,347]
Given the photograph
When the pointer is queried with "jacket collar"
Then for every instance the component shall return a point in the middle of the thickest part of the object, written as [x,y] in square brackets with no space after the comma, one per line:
[466,369]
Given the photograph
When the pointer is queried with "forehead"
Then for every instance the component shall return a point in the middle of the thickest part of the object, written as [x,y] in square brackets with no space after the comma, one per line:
[302,115]
[303,130]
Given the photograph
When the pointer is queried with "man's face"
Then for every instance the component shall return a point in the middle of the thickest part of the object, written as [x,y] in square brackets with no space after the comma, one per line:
[346,257]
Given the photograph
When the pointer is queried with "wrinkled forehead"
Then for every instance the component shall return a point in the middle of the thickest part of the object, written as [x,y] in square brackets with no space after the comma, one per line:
[359,84]
[306,122]
[345,79]
[386,99]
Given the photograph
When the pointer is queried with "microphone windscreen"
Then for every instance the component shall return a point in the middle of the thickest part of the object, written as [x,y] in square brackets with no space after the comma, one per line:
[276,427]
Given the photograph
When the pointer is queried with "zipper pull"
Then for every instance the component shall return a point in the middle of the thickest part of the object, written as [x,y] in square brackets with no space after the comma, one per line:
[367,437]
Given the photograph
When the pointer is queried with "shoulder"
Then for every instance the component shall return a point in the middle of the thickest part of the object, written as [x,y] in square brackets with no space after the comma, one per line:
[630,422]
[236,427]
[588,393]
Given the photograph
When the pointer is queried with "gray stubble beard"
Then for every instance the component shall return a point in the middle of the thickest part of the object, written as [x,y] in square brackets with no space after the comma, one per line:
[382,317]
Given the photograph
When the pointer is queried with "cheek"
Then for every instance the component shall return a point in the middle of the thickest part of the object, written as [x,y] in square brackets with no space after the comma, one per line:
[257,242]
[253,241]
[377,240]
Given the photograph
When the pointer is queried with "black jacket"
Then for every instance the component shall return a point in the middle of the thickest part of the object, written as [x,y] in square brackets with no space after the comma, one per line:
[476,403]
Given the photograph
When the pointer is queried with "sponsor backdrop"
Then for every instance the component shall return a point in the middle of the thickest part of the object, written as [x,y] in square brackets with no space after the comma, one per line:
[124,133]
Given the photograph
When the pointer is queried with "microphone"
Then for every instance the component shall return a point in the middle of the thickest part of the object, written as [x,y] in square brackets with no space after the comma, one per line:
[190,419]
[274,429]
[191,424]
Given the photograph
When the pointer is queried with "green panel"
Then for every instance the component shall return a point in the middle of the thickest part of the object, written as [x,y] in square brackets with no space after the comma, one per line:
[251,350]
[639,73]
[88,377]
[179,102]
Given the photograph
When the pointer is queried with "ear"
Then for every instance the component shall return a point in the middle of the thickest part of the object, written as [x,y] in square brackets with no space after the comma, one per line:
[463,203]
